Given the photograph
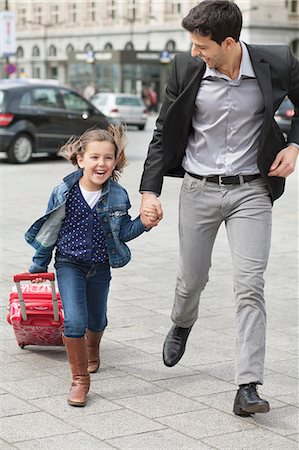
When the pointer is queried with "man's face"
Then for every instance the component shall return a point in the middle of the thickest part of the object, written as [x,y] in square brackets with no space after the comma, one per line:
[212,53]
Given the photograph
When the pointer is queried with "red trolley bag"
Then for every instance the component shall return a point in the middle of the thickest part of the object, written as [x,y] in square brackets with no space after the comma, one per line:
[35,311]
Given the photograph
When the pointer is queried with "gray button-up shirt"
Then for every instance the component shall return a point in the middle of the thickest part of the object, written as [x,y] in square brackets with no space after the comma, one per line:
[226,122]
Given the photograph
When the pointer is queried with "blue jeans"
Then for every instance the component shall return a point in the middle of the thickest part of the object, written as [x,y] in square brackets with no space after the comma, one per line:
[83,290]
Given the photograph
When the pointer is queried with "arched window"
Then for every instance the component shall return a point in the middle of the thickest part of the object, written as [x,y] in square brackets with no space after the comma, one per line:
[70,51]
[129,46]
[170,45]
[20,52]
[108,46]
[52,50]
[88,48]
[35,51]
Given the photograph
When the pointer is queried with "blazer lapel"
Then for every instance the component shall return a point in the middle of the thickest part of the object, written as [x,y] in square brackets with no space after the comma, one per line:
[263,75]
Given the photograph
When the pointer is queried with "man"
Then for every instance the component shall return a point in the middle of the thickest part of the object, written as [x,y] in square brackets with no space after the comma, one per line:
[216,128]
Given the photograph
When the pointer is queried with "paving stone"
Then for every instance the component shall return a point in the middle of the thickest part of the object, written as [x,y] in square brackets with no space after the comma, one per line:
[291,399]
[37,387]
[115,424]
[72,441]
[18,371]
[58,406]
[129,333]
[127,386]
[159,405]
[251,440]
[273,384]
[204,423]
[294,437]
[126,355]
[154,371]
[195,385]
[282,421]
[288,367]
[11,405]
[32,426]
[158,440]
[5,446]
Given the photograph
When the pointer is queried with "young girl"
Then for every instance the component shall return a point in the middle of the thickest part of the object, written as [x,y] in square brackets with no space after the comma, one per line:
[87,221]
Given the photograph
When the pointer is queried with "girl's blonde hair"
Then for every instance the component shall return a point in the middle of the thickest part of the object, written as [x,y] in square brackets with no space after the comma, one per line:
[116,134]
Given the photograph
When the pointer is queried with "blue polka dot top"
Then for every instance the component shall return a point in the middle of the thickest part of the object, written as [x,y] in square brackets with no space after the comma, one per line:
[81,237]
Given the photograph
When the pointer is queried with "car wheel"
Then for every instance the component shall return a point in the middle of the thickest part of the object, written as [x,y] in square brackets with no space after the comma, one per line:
[20,151]
[141,127]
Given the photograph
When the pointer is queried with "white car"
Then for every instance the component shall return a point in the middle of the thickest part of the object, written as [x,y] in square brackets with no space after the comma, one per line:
[126,108]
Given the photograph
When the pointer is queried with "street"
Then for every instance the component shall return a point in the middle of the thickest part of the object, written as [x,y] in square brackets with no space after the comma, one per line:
[135,401]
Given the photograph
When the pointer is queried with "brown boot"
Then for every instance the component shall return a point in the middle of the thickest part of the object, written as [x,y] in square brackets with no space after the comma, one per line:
[77,356]
[93,340]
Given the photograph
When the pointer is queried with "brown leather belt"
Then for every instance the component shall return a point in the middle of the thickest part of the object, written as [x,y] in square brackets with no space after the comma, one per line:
[219,179]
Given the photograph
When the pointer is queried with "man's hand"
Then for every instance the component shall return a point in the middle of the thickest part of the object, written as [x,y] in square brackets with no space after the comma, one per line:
[284,163]
[148,201]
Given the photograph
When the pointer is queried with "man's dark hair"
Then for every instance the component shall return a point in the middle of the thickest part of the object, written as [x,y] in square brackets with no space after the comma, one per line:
[216,19]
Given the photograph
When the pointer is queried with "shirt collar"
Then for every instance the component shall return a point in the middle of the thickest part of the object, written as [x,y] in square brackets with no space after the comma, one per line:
[246,69]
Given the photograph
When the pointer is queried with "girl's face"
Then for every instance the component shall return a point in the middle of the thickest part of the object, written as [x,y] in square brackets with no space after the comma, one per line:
[98,162]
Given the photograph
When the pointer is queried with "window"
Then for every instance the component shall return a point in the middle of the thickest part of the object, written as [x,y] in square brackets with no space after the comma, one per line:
[21,16]
[37,14]
[294,6]
[70,51]
[132,12]
[108,46]
[54,13]
[46,97]
[128,101]
[91,11]
[74,102]
[170,45]
[41,97]
[52,50]
[35,51]
[111,9]
[20,52]
[1,98]
[129,46]
[73,12]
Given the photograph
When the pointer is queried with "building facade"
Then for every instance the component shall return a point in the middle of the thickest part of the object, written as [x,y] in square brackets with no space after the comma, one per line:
[121,45]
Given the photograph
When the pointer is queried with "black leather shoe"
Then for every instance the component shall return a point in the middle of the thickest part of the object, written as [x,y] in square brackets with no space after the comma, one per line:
[174,345]
[248,402]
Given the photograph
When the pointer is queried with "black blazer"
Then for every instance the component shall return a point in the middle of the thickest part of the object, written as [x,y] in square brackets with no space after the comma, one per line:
[277,72]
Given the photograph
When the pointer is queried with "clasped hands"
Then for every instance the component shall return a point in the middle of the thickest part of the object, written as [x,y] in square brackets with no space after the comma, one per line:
[150,210]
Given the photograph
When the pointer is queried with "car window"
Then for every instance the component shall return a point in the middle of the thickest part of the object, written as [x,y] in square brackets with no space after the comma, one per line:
[1,98]
[74,102]
[101,100]
[41,97]
[128,101]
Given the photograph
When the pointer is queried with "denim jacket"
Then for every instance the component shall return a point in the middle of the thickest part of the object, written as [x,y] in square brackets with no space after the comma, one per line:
[112,209]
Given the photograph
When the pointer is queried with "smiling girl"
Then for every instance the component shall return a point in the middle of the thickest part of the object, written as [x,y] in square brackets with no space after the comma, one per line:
[87,221]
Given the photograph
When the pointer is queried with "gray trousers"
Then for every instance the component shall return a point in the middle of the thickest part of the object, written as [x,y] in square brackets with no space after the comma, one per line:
[246,210]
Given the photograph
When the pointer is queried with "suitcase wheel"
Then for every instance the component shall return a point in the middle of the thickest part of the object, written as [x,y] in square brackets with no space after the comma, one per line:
[22,346]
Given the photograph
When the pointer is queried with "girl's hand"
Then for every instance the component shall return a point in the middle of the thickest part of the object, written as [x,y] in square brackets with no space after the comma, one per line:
[149,216]
[35,280]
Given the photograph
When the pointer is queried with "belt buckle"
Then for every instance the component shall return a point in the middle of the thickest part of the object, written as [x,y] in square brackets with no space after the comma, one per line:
[220,180]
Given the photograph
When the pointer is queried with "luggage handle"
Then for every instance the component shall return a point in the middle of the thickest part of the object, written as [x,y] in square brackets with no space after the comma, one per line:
[32,276]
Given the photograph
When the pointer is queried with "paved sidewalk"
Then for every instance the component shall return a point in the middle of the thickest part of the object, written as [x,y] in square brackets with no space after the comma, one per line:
[135,401]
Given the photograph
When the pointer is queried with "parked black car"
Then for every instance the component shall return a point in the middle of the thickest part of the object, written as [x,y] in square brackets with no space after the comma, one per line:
[37,116]
[284,114]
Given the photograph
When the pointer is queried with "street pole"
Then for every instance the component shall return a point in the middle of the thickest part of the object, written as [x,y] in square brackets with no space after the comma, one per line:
[6,7]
